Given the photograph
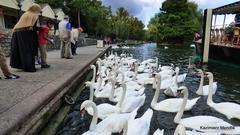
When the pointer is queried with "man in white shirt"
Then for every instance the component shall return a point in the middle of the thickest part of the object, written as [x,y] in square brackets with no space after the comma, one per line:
[65,35]
[74,39]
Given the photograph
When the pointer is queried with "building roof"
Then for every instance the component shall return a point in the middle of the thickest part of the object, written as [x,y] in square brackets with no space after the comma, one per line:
[47,11]
[26,4]
[9,3]
[232,8]
[59,12]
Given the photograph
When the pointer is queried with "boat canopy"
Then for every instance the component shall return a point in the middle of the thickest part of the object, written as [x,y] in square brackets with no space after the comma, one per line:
[232,8]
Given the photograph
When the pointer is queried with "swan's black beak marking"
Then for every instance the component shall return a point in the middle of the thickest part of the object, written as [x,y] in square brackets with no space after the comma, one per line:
[179,91]
[82,113]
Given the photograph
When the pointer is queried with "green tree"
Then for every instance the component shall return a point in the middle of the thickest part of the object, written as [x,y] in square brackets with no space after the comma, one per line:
[176,22]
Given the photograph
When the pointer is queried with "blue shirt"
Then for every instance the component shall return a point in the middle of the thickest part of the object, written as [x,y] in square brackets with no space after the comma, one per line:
[68,26]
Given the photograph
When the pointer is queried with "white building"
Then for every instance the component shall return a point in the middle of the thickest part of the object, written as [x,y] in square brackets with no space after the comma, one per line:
[10,10]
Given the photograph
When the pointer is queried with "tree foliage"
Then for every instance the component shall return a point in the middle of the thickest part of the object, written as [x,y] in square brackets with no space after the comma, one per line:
[98,20]
[176,22]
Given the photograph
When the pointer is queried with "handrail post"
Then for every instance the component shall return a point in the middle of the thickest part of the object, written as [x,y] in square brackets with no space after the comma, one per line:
[207,35]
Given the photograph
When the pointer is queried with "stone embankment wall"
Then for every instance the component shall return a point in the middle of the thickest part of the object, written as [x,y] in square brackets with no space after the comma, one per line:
[5,43]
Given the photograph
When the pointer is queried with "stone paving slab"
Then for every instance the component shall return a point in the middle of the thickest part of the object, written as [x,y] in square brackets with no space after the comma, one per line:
[19,97]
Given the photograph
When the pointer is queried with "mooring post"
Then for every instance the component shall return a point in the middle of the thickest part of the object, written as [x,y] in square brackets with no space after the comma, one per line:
[207,34]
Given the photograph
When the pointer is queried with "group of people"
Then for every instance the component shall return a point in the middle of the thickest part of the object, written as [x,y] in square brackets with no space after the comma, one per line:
[28,38]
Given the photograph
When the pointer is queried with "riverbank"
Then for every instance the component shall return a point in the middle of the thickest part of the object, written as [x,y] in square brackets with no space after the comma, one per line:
[25,101]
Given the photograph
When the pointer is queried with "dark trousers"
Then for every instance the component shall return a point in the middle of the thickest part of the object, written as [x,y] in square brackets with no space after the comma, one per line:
[74,48]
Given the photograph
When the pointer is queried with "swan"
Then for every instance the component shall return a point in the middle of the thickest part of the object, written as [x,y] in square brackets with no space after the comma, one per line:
[203,90]
[140,126]
[172,89]
[230,110]
[162,68]
[132,85]
[105,91]
[112,124]
[105,109]
[131,101]
[181,77]
[202,122]
[171,104]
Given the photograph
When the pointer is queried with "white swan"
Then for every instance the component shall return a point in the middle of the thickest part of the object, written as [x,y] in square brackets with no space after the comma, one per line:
[181,78]
[172,89]
[94,129]
[140,126]
[105,91]
[202,122]
[130,103]
[203,90]
[105,109]
[230,110]
[112,124]
[171,104]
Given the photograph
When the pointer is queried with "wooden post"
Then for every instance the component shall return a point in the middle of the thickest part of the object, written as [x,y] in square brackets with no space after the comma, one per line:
[206,39]
[224,21]
[79,23]
[215,22]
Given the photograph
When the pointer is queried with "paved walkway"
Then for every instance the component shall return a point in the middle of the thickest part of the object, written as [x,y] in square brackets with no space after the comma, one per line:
[18,97]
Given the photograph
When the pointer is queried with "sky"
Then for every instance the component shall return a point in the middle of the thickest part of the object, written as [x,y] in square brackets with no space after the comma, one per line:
[146,9]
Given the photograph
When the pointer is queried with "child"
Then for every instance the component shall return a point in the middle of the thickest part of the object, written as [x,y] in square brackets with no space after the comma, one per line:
[43,38]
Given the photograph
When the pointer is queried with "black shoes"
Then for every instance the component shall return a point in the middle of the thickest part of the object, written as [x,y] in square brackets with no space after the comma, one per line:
[12,76]
[45,66]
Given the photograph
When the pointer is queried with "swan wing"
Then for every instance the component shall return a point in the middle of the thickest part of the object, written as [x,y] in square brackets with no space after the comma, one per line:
[115,123]
[132,102]
[104,110]
[174,104]
[169,105]
[231,110]
[141,125]
[206,89]
[103,92]
[204,123]
[181,77]
[191,103]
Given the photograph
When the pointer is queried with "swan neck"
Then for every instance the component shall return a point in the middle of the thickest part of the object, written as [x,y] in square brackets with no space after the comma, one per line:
[209,100]
[154,83]
[94,74]
[122,97]
[180,130]
[200,88]
[135,72]
[157,92]
[176,76]
[123,77]
[100,82]
[112,91]
[181,111]
[99,67]
[91,92]
[94,119]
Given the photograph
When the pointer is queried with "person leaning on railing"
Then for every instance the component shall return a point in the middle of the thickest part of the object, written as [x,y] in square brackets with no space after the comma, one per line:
[3,64]
[24,42]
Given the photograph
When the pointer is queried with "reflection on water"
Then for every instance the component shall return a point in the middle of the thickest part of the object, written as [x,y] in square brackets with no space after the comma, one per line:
[228,79]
